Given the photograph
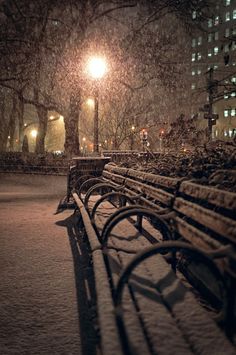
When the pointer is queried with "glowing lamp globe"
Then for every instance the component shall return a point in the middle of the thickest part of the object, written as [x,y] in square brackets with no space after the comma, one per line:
[34,133]
[97,67]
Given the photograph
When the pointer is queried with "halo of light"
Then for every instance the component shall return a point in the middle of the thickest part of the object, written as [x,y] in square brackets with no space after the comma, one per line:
[34,133]
[90,102]
[97,67]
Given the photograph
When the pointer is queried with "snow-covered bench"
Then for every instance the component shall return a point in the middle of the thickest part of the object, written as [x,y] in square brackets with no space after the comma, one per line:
[155,313]
[201,215]
[206,217]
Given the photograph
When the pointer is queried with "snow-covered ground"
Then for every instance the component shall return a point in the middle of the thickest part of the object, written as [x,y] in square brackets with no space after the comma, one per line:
[38,296]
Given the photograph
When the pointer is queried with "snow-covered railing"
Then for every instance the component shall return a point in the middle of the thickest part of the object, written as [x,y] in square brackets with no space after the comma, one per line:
[31,163]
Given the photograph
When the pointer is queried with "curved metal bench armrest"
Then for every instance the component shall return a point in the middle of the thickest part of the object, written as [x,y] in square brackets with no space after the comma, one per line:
[129,211]
[171,246]
[94,179]
[105,197]
[82,179]
[96,187]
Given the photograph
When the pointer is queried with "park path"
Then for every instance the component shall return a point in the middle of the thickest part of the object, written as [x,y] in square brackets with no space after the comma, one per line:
[38,293]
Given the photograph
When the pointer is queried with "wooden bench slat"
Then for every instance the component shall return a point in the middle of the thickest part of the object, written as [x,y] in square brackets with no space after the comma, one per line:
[195,236]
[113,177]
[220,198]
[155,193]
[218,223]
[93,240]
[115,169]
[110,339]
[154,179]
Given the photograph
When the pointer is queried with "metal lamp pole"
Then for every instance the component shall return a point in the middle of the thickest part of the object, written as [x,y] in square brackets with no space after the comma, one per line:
[97,68]
[95,122]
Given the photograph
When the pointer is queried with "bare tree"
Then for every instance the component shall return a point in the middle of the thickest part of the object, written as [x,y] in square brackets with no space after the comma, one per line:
[43,45]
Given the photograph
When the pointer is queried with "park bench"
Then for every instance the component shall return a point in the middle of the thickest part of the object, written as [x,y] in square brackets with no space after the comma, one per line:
[143,307]
[201,215]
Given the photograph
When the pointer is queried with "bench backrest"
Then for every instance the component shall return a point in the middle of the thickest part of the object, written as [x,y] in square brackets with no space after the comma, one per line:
[156,191]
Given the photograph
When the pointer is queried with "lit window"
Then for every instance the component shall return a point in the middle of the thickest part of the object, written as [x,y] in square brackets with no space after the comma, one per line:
[227,2]
[216,36]
[233,94]
[194,14]
[193,42]
[230,133]
[209,53]
[199,56]
[193,72]
[210,23]
[233,79]
[227,32]
[217,20]
[215,67]
[233,112]
[199,42]
[233,64]
[226,48]
[226,113]
[227,16]
[199,71]
[216,50]
[225,133]
[234,14]
[193,57]
[210,36]
[193,86]
[226,96]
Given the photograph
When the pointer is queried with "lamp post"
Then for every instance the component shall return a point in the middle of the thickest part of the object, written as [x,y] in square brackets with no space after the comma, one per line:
[97,68]
[132,137]
[143,137]
[161,139]
[84,148]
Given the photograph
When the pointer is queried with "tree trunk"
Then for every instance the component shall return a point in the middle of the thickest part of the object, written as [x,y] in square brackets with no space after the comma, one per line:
[42,129]
[71,120]
[3,125]
[12,123]
[21,108]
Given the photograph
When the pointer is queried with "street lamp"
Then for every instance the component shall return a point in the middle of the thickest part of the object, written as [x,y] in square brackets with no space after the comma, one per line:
[132,137]
[97,68]
[161,138]
[34,133]
[143,137]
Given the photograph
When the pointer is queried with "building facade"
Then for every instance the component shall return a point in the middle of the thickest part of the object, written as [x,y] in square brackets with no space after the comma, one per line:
[213,70]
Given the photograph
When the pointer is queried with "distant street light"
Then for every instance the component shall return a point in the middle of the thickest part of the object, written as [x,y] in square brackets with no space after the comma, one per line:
[97,68]
[132,137]
[90,102]
[34,133]
[143,137]
[161,138]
